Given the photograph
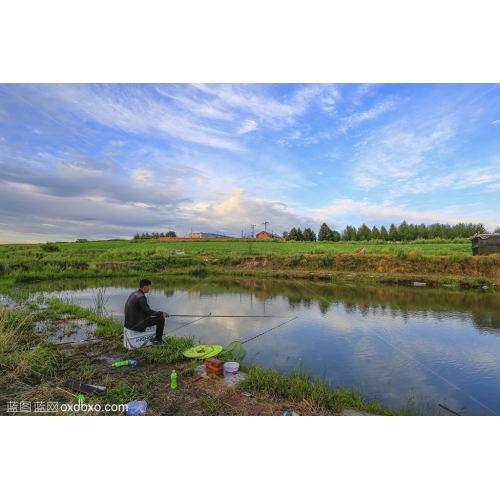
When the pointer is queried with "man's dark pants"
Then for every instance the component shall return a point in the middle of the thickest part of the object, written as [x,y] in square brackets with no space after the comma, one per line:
[159,321]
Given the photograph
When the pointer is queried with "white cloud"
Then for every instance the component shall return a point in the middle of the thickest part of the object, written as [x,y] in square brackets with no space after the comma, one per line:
[247,126]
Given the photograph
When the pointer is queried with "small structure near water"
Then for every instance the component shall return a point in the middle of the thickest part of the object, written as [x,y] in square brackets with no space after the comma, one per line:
[485,244]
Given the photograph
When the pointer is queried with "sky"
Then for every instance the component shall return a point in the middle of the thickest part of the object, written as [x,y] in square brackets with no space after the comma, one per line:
[348,118]
[105,161]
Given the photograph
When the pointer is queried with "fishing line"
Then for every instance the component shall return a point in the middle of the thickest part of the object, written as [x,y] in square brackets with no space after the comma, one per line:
[273,328]
[402,351]
[190,323]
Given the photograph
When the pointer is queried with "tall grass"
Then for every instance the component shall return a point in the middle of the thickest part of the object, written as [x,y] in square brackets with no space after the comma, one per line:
[100,301]
[19,362]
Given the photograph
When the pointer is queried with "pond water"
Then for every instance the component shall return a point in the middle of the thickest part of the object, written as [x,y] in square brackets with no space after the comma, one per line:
[432,346]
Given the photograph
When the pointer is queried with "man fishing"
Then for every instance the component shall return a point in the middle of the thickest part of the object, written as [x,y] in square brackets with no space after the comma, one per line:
[138,314]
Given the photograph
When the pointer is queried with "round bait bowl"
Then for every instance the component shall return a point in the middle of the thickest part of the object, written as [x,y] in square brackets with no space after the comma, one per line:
[231,367]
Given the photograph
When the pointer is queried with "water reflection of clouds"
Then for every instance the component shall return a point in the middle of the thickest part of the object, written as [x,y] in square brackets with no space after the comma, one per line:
[386,348]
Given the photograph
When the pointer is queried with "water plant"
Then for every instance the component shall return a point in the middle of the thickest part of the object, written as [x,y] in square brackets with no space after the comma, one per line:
[100,301]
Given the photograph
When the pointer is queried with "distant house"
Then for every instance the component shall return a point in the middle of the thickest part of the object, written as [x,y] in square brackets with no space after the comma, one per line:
[484,244]
[264,235]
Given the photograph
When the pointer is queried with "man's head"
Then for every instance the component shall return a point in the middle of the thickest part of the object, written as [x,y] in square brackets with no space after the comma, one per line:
[144,284]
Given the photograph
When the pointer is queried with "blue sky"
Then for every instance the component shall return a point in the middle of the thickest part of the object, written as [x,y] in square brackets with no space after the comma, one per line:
[103,161]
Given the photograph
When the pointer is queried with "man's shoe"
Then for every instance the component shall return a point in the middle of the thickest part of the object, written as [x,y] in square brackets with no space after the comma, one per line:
[157,342]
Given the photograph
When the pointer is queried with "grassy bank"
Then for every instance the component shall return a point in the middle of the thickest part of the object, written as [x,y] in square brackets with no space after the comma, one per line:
[430,260]
[32,370]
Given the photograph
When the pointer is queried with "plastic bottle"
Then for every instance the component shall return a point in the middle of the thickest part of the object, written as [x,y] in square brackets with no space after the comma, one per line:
[173,380]
[126,362]
[120,363]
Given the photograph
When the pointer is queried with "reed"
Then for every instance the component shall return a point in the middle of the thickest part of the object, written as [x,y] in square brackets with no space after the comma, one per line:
[100,301]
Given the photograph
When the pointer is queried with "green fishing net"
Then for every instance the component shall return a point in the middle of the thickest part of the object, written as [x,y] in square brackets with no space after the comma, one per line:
[235,350]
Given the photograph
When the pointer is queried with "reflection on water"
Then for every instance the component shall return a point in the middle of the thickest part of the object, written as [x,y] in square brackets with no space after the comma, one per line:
[396,344]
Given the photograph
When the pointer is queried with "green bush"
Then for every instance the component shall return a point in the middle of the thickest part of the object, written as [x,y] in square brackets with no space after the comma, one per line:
[49,247]
[328,259]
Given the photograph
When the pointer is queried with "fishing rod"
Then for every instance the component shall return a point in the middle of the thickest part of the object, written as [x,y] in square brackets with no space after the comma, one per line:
[273,328]
[187,324]
[221,316]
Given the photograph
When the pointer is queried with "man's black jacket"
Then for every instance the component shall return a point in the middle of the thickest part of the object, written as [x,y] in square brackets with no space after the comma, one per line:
[137,310]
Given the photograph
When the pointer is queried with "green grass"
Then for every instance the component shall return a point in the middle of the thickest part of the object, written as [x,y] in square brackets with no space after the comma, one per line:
[122,393]
[299,385]
[171,351]
[126,258]
[18,362]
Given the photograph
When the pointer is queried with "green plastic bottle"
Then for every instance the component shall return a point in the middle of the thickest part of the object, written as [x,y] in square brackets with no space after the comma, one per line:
[120,363]
[130,362]
[173,380]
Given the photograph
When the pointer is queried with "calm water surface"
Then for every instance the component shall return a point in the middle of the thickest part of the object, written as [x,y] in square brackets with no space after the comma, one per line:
[395,344]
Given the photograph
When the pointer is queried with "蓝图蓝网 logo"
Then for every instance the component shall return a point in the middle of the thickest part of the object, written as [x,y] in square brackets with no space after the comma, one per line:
[54,407]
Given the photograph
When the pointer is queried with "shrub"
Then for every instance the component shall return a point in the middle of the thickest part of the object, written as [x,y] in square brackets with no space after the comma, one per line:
[49,247]
[328,259]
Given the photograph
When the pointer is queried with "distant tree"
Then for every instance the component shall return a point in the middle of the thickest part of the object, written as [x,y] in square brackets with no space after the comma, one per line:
[375,233]
[292,235]
[384,235]
[300,235]
[309,234]
[393,233]
[403,231]
[411,232]
[364,233]
[349,233]
[447,231]
[435,231]
[422,231]
[171,234]
[285,235]
[324,233]
[480,229]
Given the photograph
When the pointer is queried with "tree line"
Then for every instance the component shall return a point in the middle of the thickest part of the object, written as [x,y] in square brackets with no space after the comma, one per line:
[403,232]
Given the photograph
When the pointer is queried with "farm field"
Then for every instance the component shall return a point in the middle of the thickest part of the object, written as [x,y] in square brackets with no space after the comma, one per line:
[94,259]
[99,251]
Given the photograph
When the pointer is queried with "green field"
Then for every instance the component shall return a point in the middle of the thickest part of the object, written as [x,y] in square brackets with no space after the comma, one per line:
[94,259]
[99,251]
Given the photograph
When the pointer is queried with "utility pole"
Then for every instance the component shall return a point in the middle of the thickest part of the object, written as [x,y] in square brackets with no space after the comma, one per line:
[252,226]
[265,226]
